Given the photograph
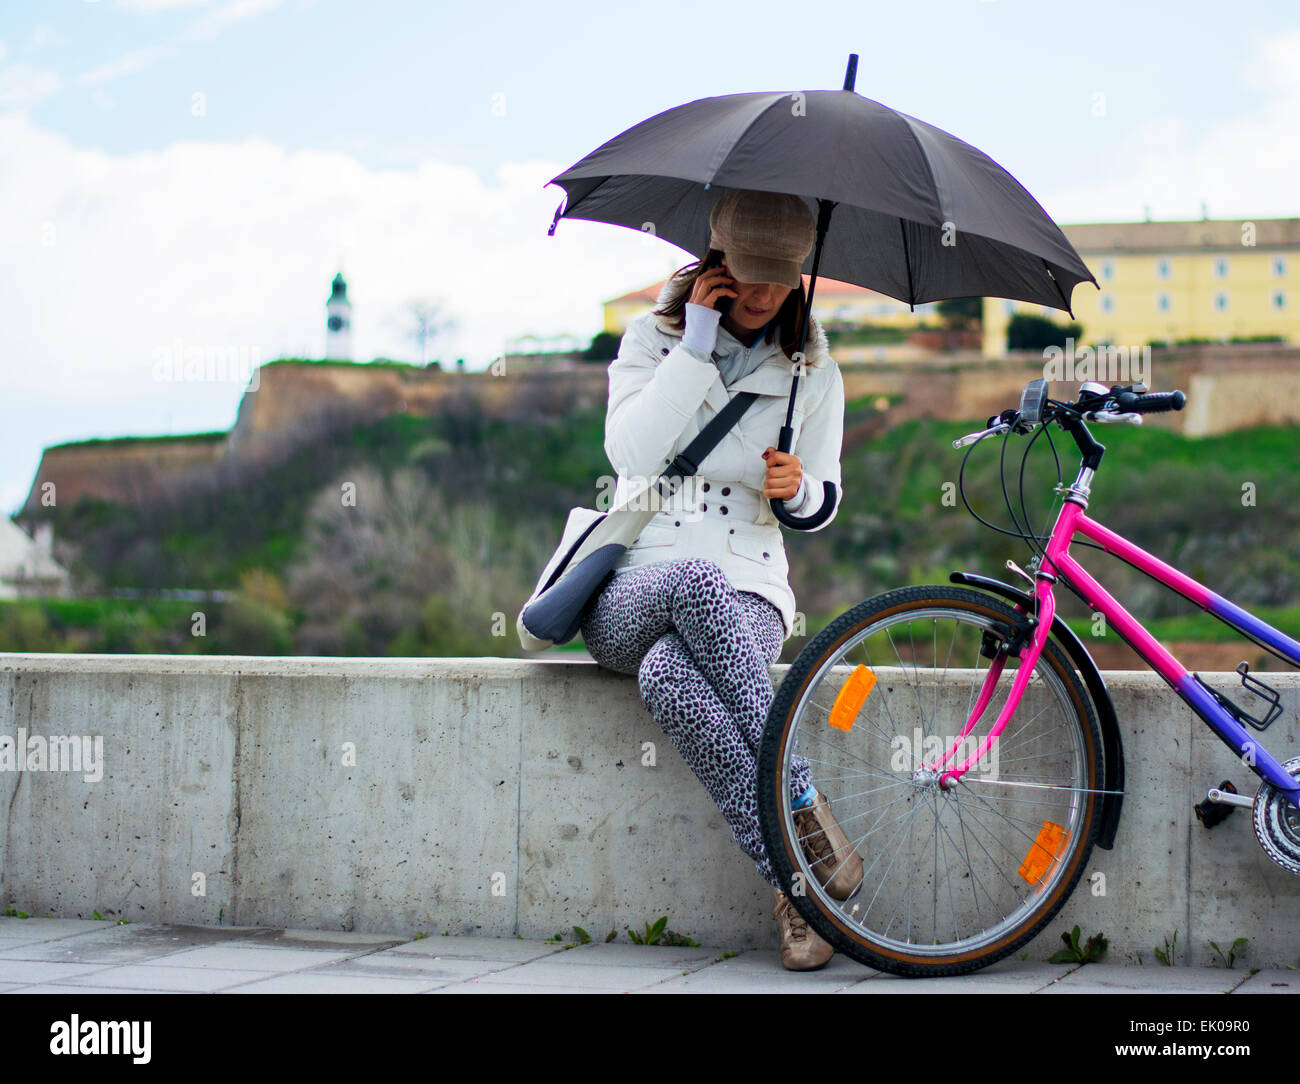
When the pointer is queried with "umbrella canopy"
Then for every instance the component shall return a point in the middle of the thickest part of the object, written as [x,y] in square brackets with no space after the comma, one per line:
[918,214]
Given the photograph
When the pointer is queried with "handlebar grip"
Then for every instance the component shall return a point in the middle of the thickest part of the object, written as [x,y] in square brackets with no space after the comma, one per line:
[1154,402]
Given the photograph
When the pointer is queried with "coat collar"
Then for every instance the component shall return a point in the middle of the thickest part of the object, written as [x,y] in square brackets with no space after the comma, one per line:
[773,375]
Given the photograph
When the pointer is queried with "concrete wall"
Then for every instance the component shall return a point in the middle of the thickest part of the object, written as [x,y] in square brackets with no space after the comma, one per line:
[498,796]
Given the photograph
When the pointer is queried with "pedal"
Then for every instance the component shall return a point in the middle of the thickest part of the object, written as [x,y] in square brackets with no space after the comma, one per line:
[1219,803]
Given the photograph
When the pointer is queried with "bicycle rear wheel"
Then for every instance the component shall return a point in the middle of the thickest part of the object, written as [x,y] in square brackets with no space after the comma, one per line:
[953,878]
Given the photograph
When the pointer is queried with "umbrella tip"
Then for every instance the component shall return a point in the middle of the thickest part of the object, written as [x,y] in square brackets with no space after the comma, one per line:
[851,73]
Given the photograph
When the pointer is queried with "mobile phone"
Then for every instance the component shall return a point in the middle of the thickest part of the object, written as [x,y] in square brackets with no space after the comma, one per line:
[723,304]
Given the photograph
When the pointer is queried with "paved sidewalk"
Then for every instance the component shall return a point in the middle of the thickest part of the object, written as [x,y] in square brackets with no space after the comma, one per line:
[72,956]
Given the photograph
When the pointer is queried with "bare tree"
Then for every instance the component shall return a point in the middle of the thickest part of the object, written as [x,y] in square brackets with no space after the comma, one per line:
[425,324]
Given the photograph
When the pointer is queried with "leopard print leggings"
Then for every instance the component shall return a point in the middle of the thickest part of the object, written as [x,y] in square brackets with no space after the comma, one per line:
[701,652]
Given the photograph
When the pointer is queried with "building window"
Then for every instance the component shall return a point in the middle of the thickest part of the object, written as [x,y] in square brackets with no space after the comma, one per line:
[1279,266]
[1107,303]
[1107,269]
[1162,302]
[1220,269]
[1221,301]
[1279,299]
[1162,269]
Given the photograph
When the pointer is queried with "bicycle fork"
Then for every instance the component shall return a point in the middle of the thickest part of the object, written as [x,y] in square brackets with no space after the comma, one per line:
[1039,627]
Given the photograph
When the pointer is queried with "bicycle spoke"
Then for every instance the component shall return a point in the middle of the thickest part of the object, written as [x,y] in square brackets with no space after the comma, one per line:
[946,872]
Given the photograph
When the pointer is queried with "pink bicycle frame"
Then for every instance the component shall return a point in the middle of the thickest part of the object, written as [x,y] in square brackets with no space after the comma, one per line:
[1072,520]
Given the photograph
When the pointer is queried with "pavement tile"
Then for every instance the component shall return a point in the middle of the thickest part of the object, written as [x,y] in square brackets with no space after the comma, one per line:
[117,944]
[150,977]
[234,957]
[1271,981]
[999,978]
[452,969]
[480,948]
[51,927]
[33,971]
[655,956]
[761,972]
[332,939]
[594,977]
[317,982]
[47,988]
[507,988]
[1110,978]
[73,956]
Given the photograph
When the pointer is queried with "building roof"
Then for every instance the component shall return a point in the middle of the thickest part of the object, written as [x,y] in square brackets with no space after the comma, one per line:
[1095,238]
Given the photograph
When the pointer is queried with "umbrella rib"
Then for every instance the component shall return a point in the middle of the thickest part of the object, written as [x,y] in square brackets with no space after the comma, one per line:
[1060,293]
[907,260]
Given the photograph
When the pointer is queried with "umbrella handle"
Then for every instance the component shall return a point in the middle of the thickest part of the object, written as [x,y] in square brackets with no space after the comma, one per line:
[802,523]
[786,437]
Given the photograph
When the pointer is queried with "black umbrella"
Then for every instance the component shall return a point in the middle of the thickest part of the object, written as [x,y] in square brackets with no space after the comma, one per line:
[922,215]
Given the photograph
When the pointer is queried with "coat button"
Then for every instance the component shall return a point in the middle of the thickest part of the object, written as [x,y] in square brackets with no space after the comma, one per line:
[664,351]
[726,491]
[678,523]
[765,556]
[704,508]
[732,531]
[723,509]
[705,487]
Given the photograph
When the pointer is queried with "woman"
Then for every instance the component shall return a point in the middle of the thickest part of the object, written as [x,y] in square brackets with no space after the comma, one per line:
[700,605]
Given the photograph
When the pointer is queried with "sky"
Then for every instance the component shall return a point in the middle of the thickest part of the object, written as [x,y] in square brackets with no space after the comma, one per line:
[190,174]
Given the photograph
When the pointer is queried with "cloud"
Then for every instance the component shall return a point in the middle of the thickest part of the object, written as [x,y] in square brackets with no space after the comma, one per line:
[204,28]
[150,7]
[114,259]
[25,84]
[126,64]
[241,9]
[1243,167]
[40,34]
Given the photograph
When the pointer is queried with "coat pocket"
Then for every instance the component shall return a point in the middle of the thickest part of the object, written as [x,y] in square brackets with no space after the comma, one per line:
[762,551]
[654,535]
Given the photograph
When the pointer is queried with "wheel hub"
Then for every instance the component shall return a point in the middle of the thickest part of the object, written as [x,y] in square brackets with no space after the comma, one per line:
[924,778]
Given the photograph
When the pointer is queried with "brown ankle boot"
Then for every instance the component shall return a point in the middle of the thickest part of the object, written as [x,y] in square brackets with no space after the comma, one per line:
[801,948]
[834,862]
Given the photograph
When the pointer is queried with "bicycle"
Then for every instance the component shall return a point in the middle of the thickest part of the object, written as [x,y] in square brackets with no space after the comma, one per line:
[970,766]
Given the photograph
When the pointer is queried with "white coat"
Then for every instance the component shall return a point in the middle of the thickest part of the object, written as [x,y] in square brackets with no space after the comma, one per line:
[661,395]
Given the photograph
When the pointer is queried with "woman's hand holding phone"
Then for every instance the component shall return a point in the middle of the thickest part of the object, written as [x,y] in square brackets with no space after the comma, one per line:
[713,289]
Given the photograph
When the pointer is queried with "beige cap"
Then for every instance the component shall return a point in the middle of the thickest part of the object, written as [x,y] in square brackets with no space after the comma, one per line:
[766,236]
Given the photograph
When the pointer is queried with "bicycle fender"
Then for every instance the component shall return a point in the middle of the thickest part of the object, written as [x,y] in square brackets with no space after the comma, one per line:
[1112,746]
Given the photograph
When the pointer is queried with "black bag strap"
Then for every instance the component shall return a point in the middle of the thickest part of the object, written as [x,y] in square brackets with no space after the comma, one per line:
[689,459]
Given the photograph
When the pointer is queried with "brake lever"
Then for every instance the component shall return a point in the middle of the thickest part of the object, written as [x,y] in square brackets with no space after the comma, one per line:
[1108,417]
[971,438]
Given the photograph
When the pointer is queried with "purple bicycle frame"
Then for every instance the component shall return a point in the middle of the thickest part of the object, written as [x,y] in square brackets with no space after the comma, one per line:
[1072,521]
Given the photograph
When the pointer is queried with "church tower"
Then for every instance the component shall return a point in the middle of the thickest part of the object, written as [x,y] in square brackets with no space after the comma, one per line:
[338,322]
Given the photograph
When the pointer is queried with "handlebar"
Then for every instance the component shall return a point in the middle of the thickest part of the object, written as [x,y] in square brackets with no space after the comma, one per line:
[1154,402]
[1115,405]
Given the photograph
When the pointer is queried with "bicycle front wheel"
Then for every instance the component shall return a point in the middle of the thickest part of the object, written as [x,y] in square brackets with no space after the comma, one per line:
[879,705]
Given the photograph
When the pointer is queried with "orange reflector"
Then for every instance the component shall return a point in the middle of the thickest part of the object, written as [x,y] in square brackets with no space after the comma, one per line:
[851,695]
[1043,852]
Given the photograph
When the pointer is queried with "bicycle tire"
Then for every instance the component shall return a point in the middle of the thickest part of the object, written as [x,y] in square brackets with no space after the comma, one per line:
[1064,751]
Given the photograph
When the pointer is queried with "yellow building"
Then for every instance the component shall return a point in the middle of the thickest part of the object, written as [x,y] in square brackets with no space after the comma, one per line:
[834,303]
[1164,281]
